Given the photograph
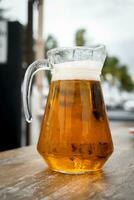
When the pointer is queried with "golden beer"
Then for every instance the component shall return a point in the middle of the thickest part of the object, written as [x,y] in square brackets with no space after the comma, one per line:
[75,135]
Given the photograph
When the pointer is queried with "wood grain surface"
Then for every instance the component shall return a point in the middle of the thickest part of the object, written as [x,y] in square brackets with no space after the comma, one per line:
[25,176]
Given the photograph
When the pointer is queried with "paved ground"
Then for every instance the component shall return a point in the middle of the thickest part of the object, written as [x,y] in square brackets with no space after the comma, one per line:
[116,124]
[120,115]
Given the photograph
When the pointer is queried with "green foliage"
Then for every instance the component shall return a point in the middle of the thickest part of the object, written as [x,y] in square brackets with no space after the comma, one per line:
[110,67]
[119,72]
[80,38]
[125,79]
[50,43]
[2,13]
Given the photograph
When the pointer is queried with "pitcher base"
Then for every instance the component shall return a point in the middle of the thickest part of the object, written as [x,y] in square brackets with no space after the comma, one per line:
[79,172]
[74,166]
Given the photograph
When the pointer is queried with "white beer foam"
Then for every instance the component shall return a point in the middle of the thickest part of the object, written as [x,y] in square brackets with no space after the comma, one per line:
[77,70]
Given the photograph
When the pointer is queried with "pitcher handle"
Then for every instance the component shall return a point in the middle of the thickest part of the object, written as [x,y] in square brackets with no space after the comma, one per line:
[30,72]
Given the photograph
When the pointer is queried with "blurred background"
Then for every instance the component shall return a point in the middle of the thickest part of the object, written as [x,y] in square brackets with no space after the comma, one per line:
[29,28]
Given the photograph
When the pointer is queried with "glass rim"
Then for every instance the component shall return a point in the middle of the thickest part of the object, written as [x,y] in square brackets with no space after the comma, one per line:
[90,48]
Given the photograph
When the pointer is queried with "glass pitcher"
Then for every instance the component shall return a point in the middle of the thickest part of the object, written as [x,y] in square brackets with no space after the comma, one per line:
[75,135]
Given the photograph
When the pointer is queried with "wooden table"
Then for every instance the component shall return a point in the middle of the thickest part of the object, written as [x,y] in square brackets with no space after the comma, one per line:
[23,175]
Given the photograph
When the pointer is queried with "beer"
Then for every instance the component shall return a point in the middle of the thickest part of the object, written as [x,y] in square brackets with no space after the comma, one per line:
[75,135]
